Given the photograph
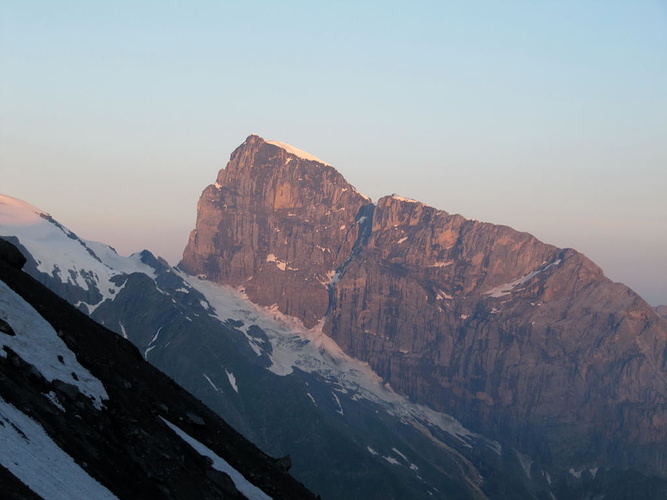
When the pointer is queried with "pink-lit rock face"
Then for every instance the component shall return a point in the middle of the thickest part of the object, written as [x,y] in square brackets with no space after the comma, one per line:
[277,225]
[519,339]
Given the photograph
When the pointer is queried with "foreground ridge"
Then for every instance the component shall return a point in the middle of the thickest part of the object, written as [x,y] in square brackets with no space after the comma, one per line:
[83,415]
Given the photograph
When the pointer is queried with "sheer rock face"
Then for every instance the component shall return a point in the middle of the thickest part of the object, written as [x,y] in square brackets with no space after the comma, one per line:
[277,225]
[511,335]
[517,338]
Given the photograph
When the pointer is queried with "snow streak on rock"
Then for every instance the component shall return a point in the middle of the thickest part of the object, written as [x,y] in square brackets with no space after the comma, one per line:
[38,344]
[29,453]
[251,491]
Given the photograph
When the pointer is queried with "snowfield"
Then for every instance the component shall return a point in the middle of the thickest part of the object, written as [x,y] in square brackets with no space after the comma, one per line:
[29,453]
[62,254]
[38,344]
[311,350]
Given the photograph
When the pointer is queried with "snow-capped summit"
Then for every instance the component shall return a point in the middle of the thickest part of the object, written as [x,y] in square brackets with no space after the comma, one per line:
[62,256]
[17,212]
[296,152]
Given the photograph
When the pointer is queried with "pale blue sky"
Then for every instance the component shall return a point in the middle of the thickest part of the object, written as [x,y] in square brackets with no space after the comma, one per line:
[548,116]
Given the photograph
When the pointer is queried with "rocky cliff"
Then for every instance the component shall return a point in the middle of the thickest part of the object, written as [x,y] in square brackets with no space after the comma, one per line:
[517,338]
[277,223]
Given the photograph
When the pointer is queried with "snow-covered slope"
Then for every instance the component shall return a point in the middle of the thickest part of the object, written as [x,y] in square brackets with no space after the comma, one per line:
[62,257]
[83,416]
[296,152]
[31,455]
[293,346]
[37,343]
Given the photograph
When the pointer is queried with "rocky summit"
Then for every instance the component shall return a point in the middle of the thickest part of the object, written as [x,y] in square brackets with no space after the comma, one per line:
[269,210]
[518,339]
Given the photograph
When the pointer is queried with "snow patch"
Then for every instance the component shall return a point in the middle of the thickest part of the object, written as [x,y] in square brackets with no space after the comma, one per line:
[123,332]
[525,461]
[118,263]
[443,263]
[297,152]
[53,398]
[215,387]
[340,408]
[151,344]
[39,345]
[251,491]
[401,198]
[283,266]
[312,351]
[29,453]
[508,288]
[442,295]
[232,381]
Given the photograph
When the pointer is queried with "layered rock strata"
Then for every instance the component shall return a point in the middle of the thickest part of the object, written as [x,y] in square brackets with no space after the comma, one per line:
[517,338]
[277,224]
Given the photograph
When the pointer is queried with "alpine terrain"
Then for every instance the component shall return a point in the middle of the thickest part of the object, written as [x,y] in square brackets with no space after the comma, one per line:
[82,415]
[389,349]
[519,340]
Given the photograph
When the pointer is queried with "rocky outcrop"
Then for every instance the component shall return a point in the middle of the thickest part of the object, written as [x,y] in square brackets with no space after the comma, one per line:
[11,255]
[278,224]
[517,338]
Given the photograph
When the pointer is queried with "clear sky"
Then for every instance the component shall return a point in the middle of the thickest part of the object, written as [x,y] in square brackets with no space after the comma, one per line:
[548,116]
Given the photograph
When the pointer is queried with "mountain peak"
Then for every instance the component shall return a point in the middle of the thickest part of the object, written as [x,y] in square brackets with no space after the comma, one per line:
[296,152]
[254,139]
[19,213]
[455,313]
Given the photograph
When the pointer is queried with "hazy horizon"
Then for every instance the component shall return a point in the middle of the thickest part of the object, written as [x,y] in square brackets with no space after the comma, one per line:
[548,118]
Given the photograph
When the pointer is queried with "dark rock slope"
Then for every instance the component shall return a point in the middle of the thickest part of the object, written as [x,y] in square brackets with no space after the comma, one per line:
[519,339]
[125,443]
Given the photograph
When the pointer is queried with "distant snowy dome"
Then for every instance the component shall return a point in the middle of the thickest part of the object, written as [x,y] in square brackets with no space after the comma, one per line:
[296,152]
[17,213]
[401,198]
